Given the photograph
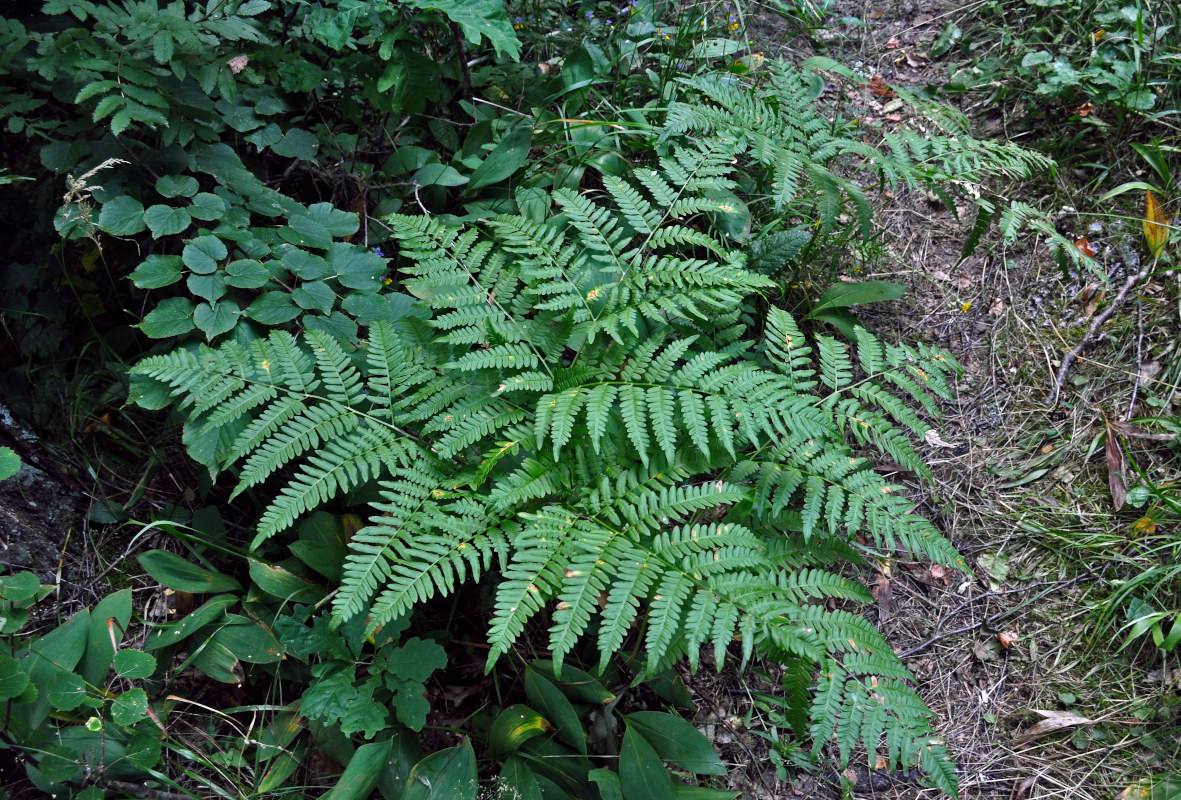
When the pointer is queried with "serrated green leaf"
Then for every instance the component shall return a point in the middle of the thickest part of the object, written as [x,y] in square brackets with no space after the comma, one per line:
[273,308]
[167,221]
[66,691]
[216,319]
[204,254]
[172,317]
[177,186]
[129,707]
[246,273]
[157,271]
[134,664]
[123,216]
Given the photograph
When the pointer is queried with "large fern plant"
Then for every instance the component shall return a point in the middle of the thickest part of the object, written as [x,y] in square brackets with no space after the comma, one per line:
[596,406]
[580,409]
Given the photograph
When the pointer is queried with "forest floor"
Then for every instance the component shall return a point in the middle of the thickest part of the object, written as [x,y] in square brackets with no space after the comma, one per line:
[1021,481]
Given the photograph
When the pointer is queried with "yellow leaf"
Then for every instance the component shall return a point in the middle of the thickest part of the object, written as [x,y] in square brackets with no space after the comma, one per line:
[1156,230]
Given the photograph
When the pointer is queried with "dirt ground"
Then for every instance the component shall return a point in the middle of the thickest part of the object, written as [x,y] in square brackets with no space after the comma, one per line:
[1020,487]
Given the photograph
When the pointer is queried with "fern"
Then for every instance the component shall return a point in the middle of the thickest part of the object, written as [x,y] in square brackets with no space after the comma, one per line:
[583,410]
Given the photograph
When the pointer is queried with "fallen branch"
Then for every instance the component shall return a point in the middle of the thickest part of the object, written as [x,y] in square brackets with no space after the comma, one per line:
[1069,358]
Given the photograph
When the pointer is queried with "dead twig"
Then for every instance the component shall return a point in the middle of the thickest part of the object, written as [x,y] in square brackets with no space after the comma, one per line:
[1100,320]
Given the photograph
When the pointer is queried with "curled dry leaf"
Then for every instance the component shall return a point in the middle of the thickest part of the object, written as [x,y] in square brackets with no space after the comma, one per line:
[1007,638]
[1053,721]
[1132,432]
[933,438]
[883,593]
[893,43]
[238,63]
[997,308]
[1115,469]
[1084,247]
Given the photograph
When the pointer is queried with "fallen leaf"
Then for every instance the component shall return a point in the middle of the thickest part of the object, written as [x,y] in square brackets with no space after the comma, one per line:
[986,651]
[997,308]
[1115,469]
[922,19]
[1054,721]
[962,282]
[1084,109]
[939,572]
[940,275]
[915,59]
[893,43]
[1084,247]
[238,63]
[933,438]
[1021,790]
[883,594]
[1132,432]
[1007,638]
[1140,790]
[877,85]
[1156,230]
[1145,526]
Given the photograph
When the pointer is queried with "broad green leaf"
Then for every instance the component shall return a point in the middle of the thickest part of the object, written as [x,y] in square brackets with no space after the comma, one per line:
[405,754]
[177,186]
[554,705]
[517,781]
[217,661]
[129,707]
[204,254]
[157,271]
[273,308]
[207,207]
[842,295]
[314,296]
[134,664]
[216,319]
[641,774]
[13,679]
[356,267]
[416,659]
[22,586]
[576,684]
[10,463]
[66,691]
[108,622]
[321,544]
[449,774]
[250,641]
[476,18]
[686,792]
[729,214]
[176,572]
[167,221]
[208,287]
[608,783]
[123,216]
[212,610]
[509,155]
[60,649]
[284,585]
[439,175]
[363,772]
[677,741]
[282,767]
[246,273]
[514,726]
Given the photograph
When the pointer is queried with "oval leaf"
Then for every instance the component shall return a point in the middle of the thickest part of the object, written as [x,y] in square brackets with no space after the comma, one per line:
[677,741]
[516,725]
[174,572]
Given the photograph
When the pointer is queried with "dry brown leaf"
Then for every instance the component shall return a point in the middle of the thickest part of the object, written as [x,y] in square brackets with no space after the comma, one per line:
[986,651]
[939,573]
[1115,469]
[883,594]
[1084,247]
[962,282]
[1007,638]
[922,19]
[238,63]
[892,43]
[940,275]
[1132,432]
[997,308]
[1053,721]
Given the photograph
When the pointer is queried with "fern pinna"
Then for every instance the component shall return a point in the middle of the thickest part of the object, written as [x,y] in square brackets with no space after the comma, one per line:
[588,407]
